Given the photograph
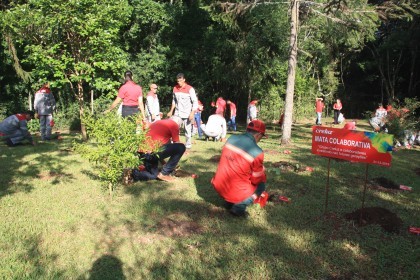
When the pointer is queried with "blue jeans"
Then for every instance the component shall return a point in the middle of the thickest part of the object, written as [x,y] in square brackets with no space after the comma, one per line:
[240,207]
[197,118]
[151,161]
[232,123]
[45,126]
[318,118]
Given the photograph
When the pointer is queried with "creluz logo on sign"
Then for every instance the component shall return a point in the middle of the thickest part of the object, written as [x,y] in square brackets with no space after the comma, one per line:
[324,131]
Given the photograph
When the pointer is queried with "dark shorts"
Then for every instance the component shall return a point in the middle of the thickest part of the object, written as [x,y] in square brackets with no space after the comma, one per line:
[128,111]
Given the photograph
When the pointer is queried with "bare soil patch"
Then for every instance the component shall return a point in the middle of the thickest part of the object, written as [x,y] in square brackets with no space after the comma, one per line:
[47,175]
[389,221]
[176,226]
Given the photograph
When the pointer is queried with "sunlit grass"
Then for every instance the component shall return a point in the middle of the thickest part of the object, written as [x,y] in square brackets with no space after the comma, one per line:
[58,220]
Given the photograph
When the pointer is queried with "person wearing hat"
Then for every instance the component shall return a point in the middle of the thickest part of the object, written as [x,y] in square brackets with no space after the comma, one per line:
[252,111]
[44,105]
[152,104]
[14,129]
[240,176]
[164,136]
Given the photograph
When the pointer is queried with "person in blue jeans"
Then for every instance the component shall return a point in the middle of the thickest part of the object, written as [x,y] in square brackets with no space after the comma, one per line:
[163,135]
[197,119]
[232,120]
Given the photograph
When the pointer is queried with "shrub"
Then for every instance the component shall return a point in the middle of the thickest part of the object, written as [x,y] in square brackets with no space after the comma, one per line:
[112,146]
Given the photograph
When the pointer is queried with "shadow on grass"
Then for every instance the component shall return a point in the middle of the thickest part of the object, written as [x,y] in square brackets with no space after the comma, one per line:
[107,267]
[22,164]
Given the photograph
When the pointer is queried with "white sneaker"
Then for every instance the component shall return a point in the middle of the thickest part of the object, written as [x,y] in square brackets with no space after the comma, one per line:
[188,143]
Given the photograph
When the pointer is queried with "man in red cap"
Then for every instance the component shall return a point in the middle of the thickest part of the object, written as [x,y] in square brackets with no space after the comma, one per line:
[240,177]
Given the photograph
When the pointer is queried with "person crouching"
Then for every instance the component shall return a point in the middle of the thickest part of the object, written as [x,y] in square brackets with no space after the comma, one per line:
[240,177]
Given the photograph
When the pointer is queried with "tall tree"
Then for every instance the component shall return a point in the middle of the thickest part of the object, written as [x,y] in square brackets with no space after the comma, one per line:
[73,42]
[291,72]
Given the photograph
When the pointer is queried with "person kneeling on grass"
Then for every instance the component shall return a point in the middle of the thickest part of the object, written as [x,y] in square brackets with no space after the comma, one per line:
[240,177]
[14,129]
[165,134]
[215,127]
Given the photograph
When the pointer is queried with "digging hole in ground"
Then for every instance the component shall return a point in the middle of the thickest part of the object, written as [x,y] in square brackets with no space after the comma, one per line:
[389,221]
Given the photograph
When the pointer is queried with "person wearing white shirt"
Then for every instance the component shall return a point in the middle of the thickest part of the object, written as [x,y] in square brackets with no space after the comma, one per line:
[152,104]
[215,127]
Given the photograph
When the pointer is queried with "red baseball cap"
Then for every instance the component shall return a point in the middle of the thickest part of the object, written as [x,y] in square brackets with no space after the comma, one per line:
[257,126]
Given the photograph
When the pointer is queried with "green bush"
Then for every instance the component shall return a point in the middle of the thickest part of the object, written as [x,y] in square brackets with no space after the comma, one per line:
[33,126]
[112,146]
[403,117]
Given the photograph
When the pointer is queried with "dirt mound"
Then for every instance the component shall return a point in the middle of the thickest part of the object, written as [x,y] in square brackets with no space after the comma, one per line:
[171,227]
[385,183]
[215,158]
[287,166]
[389,221]
[182,173]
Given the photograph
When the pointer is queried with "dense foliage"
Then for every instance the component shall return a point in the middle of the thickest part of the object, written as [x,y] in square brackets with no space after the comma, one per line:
[353,50]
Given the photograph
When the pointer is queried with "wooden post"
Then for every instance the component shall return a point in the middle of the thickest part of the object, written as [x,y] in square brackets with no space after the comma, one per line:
[327,187]
[364,193]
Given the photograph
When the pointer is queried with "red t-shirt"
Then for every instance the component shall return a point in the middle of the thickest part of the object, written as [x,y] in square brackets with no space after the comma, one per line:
[221,106]
[232,109]
[350,126]
[319,106]
[161,132]
[338,106]
[130,93]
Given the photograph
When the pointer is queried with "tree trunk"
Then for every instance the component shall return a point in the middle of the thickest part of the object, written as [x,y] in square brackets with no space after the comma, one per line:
[30,107]
[291,74]
[91,100]
[81,109]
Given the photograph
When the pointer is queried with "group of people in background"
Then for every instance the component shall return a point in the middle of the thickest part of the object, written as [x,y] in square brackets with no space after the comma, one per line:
[14,129]
[378,121]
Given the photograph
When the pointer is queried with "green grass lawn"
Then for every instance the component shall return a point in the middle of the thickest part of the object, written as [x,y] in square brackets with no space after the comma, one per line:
[58,221]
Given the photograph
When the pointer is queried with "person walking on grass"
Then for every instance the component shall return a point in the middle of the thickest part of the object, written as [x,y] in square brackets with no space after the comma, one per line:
[197,119]
[164,135]
[337,110]
[14,129]
[131,95]
[232,120]
[152,104]
[44,105]
[240,176]
[319,107]
[184,105]
[252,111]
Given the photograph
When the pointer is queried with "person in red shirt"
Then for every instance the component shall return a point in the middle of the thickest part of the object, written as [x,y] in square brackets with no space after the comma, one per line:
[131,96]
[164,136]
[232,121]
[337,110]
[350,125]
[240,177]
[319,107]
[220,106]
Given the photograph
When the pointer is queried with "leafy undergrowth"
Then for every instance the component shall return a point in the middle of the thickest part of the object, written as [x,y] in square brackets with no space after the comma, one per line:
[58,221]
